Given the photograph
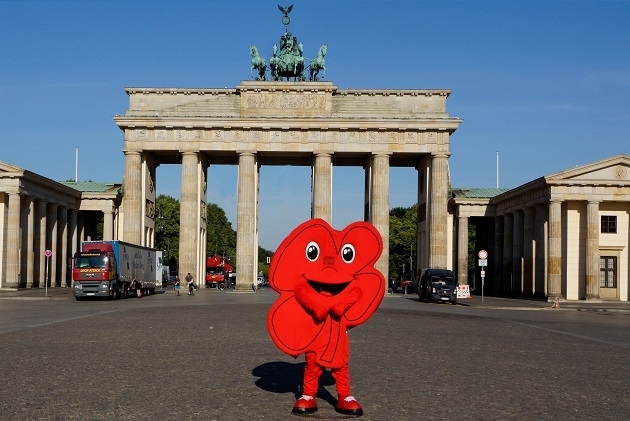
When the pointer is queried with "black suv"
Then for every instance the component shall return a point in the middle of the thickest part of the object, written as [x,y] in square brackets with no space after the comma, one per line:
[437,285]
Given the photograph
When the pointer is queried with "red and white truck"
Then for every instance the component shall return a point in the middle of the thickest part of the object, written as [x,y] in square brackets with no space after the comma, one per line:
[218,270]
[107,268]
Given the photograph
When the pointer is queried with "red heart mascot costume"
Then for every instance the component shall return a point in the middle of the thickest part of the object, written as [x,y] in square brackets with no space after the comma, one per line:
[327,284]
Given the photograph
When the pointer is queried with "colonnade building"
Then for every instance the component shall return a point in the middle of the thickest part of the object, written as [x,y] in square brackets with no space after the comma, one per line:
[565,235]
[42,223]
[544,238]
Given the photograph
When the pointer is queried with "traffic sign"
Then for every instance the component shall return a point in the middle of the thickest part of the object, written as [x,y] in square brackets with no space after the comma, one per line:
[482,254]
[48,253]
[483,262]
[483,273]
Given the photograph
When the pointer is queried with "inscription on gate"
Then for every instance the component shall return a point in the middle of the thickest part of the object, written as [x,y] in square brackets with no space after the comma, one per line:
[280,101]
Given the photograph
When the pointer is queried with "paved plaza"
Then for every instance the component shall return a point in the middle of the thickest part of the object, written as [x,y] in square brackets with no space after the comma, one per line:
[209,357]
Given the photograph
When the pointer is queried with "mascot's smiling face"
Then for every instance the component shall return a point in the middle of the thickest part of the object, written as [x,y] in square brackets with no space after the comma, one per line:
[327,259]
[331,262]
[332,272]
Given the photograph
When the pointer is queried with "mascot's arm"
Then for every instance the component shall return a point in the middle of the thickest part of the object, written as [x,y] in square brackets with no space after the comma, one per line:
[349,299]
[311,301]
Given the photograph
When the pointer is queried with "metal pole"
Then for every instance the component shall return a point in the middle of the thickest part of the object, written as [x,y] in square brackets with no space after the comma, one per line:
[46,277]
[497,169]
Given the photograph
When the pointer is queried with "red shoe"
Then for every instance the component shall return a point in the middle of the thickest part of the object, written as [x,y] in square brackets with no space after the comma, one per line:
[305,405]
[348,406]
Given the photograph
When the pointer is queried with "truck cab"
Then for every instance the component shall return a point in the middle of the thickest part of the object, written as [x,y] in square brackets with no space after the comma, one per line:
[94,272]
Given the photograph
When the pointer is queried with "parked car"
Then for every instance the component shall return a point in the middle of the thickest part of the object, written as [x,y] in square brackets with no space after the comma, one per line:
[262,281]
[407,283]
[437,285]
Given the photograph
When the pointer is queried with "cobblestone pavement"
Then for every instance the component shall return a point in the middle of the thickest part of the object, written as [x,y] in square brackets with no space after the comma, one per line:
[209,357]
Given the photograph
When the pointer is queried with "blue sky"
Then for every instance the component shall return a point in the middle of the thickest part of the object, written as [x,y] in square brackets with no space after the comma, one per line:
[544,83]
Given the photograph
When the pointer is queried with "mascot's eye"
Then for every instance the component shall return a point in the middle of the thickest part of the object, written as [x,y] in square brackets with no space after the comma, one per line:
[347,253]
[312,251]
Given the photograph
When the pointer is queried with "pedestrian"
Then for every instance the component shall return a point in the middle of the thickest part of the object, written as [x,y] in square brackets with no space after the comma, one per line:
[189,281]
[135,285]
[176,286]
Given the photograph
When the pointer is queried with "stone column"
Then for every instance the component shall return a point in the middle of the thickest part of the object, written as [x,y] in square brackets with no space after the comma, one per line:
[189,219]
[108,223]
[462,250]
[439,215]
[540,251]
[245,222]
[52,244]
[592,250]
[517,255]
[508,233]
[31,245]
[26,242]
[133,230]
[497,259]
[379,208]
[63,247]
[528,252]
[13,242]
[322,187]
[73,232]
[43,245]
[81,224]
[554,262]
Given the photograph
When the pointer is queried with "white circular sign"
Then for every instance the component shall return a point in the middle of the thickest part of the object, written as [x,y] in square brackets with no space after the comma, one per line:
[482,254]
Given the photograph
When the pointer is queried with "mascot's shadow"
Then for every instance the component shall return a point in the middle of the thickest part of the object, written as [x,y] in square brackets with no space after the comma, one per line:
[284,377]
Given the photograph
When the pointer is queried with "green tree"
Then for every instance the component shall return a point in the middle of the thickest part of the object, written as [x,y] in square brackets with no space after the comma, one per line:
[263,266]
[402,240]
[221,236]
[167,229]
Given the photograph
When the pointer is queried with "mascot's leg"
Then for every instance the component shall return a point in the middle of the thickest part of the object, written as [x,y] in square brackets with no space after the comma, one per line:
[346,403]
[307,403]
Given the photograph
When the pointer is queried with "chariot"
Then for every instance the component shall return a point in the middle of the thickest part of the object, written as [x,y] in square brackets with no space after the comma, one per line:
[287,61]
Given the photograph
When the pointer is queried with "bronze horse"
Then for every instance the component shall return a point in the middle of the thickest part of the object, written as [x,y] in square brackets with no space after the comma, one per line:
[318,63]
[258,63]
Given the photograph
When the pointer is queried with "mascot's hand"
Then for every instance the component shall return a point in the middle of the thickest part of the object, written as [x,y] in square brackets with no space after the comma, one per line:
[320,313]
[341,307]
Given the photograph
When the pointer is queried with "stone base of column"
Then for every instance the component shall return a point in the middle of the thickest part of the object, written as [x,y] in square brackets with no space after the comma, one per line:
[243,288]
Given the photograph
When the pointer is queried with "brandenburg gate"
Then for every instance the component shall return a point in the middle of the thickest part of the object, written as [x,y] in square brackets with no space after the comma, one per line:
[284,123]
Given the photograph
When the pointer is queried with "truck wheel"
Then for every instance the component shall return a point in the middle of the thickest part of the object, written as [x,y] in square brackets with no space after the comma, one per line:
[113,294]
[125,293]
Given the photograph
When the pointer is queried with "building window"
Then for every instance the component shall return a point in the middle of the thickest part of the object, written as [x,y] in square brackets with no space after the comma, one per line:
[609,224]
[608,272]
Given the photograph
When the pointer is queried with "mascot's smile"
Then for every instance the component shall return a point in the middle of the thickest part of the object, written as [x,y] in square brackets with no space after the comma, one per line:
[327,289]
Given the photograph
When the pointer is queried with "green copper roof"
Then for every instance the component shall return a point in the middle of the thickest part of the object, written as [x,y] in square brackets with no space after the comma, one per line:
[91,186]
[477,193]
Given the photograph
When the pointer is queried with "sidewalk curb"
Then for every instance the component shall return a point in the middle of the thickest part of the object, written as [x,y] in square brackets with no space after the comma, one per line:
[37,298]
